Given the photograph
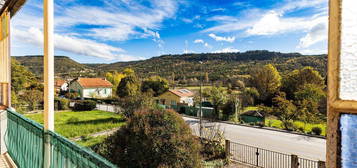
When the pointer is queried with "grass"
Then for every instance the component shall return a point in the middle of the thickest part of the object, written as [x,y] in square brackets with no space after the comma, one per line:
[73,124]
[272,122]
[277,124]
[91,141]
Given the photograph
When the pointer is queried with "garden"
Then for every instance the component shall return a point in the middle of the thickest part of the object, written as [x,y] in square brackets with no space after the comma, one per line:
[73,124]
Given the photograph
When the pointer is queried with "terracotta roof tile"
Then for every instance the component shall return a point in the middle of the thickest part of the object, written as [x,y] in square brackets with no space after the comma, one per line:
[59,82]
[182,92]
[94,82]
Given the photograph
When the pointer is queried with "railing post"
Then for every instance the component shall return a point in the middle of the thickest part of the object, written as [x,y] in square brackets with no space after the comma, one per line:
[48,34]
[228,149]
[321,164]
[294,161]
[257,153]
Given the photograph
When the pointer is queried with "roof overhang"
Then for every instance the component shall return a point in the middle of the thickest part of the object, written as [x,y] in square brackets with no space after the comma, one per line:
[12,5]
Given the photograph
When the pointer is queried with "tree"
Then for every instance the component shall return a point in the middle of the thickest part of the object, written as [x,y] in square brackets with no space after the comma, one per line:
[21,78]
[217,96]
[33,98]
[114,78]
[249,96]
[284,110]
[307,101]
[153,138]
[267,81]
[157,84]
[297,79]
[128,86]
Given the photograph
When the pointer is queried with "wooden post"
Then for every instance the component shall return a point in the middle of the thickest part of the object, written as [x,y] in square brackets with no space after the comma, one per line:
[48,77]
[321,164]
[294,161]
[228,149]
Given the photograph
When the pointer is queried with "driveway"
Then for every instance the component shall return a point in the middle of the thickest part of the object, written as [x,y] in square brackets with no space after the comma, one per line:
[303,146]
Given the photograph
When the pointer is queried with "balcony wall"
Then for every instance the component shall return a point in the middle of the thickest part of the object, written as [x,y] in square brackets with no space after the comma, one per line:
[25,144]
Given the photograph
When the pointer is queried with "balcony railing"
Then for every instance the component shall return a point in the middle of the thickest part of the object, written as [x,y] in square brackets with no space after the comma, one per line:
[25,143]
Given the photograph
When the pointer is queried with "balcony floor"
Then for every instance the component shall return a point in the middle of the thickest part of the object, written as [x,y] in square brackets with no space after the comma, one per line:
[6,162]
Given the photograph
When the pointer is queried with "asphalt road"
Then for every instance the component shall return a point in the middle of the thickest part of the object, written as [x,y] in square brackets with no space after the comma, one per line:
[303,146]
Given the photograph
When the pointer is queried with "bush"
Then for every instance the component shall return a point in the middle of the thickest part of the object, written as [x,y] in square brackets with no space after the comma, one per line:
[72,95]
[316,130]
[61,104]
[153,138]
[84,105]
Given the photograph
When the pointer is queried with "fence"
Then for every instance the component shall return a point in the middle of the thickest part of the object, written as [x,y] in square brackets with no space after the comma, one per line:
[109,108]
[268,159]
[25,143]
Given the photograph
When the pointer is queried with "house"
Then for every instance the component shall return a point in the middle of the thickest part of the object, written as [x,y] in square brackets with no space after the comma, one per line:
[91,87]
[61,85]
[176,97]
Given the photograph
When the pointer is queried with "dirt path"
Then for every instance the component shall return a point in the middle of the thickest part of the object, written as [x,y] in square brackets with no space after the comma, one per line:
[101,133]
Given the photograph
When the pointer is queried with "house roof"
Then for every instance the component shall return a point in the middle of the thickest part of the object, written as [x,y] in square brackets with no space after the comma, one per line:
[13,5]
[182,92]
[253,113]
[59,82]
[94,82]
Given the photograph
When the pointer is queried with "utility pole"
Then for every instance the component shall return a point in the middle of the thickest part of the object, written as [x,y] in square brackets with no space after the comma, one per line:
[201,101]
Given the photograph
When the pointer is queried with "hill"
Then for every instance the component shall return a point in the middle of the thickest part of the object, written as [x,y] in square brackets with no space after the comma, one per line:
[219,66]
[63,65]
[185,68]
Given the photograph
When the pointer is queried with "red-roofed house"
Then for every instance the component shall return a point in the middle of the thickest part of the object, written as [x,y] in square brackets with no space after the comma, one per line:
[91,87]
[61,85]
[177,96]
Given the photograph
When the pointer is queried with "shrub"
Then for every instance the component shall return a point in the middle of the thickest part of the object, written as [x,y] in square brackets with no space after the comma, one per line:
[72,95]
[84,105]
[153,138]
[61,103]
[316,130]
[301,129]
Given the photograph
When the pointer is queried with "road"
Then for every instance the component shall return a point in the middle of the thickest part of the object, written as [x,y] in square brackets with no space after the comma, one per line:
[303,146]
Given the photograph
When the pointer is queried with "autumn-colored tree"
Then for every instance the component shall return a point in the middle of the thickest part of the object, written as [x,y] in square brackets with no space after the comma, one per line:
[298,79]
[267,81]
[114,78]
[155,83]
[217,96]
[128,86]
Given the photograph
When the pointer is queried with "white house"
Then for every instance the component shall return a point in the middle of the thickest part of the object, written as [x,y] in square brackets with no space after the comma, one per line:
[61,85]
[91,87]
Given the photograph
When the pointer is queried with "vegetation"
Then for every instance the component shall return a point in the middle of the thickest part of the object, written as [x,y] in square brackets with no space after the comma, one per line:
[153,138]
[298,125]
[129,86]
[74,124]
[84,105]
[88,141]
[155,84]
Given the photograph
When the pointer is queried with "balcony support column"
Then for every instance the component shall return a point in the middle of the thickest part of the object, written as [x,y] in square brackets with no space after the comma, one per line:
[48,76]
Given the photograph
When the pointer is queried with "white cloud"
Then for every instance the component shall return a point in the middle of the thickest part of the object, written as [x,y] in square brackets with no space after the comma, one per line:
[207,45]
[220,38]
[313,51]
[227,50]
[71,44]
[115,21]
[198,41]
[316,34]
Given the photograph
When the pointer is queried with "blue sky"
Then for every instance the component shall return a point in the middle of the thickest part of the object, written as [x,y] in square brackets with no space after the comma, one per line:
[105,31]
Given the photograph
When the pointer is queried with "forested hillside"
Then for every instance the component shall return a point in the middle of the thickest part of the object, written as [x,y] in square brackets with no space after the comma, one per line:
[63,65]
[186,68]
[219,66]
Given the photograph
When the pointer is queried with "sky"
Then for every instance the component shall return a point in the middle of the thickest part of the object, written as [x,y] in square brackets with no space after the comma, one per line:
[106,31]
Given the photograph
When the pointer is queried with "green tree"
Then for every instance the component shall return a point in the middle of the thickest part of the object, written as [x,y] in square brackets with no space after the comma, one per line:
[21,78]
[33,98]
[284,110]
[128,86]
[218,97]
[155,83]
[153,138]
[298,79]
[307,101]
[267,81]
